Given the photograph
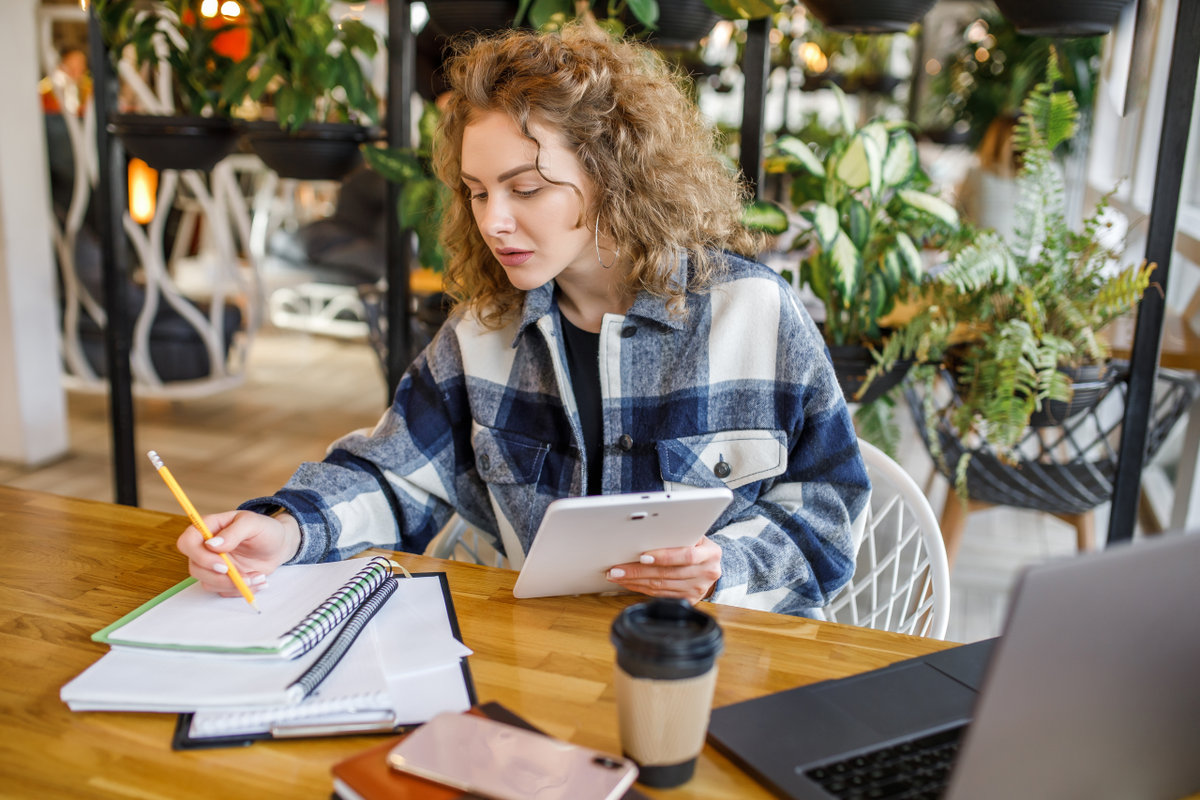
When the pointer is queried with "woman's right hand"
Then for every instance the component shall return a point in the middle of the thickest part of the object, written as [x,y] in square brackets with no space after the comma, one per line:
[256,543]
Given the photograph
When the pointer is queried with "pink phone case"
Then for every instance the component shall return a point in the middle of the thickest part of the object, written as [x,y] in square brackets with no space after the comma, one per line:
[501,762]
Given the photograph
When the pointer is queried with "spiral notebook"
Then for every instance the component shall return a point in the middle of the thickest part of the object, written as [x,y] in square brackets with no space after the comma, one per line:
[185,617]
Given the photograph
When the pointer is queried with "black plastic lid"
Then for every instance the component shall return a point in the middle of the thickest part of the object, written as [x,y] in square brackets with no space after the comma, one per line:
[668,633]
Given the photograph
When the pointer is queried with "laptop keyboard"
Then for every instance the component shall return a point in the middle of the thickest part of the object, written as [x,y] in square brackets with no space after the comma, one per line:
[915,770]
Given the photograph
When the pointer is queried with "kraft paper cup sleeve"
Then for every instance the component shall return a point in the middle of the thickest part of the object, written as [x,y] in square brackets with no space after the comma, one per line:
[663,722]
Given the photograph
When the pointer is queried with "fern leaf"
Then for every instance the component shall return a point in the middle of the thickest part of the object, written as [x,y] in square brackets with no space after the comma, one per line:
[986,262]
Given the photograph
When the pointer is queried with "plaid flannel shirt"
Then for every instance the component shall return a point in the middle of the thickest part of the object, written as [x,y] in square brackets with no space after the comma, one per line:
[484,423]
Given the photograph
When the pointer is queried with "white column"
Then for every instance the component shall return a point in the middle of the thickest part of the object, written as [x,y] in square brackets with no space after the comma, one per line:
[33,420]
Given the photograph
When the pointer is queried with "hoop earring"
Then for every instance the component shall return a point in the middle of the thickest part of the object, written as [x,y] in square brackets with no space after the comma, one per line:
[596,239]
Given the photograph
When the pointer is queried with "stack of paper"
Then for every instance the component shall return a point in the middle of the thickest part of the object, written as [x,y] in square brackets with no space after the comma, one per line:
[405,665]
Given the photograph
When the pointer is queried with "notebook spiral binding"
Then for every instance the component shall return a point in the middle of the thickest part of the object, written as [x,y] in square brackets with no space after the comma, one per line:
[341,604]
[362,615]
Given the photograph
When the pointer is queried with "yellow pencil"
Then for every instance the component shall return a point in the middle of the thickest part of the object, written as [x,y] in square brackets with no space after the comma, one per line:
[190,510]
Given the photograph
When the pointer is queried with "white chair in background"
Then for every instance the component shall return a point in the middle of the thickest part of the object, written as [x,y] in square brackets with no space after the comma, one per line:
[458,541]
[901,581]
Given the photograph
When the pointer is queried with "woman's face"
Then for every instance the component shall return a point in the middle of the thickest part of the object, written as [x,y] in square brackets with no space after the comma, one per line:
[530,224]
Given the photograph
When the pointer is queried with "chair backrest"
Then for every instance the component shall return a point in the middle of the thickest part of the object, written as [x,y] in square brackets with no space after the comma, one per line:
[458,541]
[901,581]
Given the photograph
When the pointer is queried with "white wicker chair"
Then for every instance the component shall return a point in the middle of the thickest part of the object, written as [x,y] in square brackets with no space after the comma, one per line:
[458,541]
[901,582]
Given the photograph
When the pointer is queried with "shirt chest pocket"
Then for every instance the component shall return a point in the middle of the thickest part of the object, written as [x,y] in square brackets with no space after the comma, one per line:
[727,458]
[504,458]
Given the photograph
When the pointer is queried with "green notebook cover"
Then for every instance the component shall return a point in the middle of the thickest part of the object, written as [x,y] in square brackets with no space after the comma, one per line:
[337,604]
[104,634]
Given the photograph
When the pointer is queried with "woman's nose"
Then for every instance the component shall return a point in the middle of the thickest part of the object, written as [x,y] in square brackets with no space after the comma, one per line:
[497,219]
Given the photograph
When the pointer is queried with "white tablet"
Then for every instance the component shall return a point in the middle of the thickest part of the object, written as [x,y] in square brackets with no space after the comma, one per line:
[581,538]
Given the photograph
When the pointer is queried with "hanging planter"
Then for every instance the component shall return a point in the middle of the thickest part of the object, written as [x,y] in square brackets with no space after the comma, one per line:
[870,16]
[318,151]
[681,24]
[851,363]
[175,142]
[452,17]
[1064,17]
[1090,383]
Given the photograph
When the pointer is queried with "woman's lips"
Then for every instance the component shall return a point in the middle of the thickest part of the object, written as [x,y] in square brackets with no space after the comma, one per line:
[513,258]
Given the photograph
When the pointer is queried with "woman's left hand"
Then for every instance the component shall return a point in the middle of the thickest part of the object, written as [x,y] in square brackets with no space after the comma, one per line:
[688,573]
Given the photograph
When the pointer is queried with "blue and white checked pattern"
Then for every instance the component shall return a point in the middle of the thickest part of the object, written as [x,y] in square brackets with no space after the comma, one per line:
[484,422]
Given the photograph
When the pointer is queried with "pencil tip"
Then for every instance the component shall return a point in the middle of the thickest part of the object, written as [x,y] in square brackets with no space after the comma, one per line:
[254,605]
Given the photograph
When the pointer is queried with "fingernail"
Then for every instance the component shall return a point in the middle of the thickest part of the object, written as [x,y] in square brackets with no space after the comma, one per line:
[261,587]
[257,579]
[220,567]
[215,541]
[647,559]
[616,572]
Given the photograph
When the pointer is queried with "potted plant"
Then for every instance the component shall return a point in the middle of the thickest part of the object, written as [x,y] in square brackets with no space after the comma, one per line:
[198,47]
[1062,19]
[422,194]
[308,67]
[549,15]
[1016,323]
[869,218]
[450,18]
[869,16]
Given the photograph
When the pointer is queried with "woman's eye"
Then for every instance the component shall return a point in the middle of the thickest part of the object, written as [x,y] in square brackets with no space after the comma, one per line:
[479,196]
[529,193]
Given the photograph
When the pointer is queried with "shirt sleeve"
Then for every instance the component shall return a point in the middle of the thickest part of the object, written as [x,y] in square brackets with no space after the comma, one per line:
[794,548]
[396,486]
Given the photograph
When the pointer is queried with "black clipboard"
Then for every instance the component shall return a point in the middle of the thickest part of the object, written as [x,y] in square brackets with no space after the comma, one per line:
[181,740]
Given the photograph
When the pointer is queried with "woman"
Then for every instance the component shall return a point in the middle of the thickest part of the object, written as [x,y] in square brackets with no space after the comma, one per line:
[607,339]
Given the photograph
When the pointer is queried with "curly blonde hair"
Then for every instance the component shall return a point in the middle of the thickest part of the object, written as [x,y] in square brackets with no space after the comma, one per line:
[659,185]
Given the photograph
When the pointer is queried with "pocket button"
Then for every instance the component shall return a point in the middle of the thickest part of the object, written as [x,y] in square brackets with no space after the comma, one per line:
[625,442]
[485,462]
[722,470]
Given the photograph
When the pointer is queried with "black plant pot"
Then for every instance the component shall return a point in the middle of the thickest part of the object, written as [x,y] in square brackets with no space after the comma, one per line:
[951,135]
[452,17]
[1091,383]
[319,151]
[681,23]
[870,16]
[175,142]
[851,363]
[1062,17]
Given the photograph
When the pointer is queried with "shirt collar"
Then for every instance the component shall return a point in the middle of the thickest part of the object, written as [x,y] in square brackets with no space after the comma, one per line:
[540,301]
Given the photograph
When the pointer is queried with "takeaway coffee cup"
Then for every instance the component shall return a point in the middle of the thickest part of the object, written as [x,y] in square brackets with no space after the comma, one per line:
[665,675]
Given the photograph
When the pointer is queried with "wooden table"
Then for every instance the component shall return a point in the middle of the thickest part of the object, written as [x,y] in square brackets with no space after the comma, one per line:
[71,566]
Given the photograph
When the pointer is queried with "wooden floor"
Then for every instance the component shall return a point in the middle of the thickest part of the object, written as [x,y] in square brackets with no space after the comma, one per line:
[304,391]
[301,393]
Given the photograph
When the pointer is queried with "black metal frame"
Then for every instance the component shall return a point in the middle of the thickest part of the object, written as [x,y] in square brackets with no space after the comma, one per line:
[109,199]
[756,69]
[401,67]
[1160,242]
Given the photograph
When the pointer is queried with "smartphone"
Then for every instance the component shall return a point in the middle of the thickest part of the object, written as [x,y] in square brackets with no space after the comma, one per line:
[500,762]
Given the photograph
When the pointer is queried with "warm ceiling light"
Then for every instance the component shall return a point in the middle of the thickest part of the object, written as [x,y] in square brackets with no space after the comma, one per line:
[933,66]
[982,54]
[814,60]
[208,8]
[977,31]
[230,9]
[143,186]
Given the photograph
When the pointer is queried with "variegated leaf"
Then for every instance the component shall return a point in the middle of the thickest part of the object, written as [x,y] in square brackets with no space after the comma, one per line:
[934,206]
[802,153]
[901,159]
[910,257]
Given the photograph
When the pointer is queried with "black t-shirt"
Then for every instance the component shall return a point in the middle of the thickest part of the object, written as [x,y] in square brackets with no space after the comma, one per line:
[583,362]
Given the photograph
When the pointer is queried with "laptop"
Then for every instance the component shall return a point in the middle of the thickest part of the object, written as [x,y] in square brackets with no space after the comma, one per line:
[1092,693]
